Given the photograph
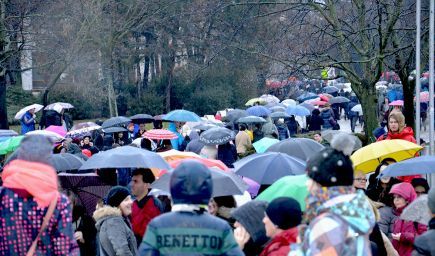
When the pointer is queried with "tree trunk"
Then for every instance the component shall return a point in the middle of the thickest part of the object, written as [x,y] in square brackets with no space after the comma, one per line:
[146,71]
[170,64]
[367,96]
[3,108]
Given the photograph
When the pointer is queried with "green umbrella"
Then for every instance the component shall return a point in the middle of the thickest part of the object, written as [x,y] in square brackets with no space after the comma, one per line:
[262,145]
[10,144]
[288,186]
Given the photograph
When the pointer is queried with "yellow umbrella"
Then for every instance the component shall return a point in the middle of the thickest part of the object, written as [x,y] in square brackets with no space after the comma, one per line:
[172,155]
[251,102]
[369,157]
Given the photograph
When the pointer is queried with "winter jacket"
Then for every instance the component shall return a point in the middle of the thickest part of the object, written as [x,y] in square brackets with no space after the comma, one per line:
[316,123]
[269,130]
[188,233]
[243,142]
[114,233]
[387,220]
[143,212]
[227,153]
[27,123]
[409,230]
[406,134]
[424,244]
[327,115]
[280,244]
[52,118]
[176,143]
[86,225]
[341,228]
[293,127]
[21,220]
[283,131]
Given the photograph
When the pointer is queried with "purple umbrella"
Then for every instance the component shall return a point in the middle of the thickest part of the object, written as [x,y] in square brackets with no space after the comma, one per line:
[253,187]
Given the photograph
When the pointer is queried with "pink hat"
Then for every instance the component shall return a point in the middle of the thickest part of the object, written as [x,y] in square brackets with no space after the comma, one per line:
[405,190]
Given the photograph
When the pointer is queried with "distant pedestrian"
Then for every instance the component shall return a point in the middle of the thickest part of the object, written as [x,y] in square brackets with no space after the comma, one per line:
[28,121]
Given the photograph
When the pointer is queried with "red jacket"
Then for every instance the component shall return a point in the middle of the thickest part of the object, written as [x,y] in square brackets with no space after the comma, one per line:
[280,244]
[142,213]
[406,134]
[409,230]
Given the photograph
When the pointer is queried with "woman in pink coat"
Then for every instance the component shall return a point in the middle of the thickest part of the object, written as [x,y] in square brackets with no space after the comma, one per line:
[404,232]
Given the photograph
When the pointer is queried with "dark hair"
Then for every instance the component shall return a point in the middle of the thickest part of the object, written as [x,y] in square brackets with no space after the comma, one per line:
[242,127]
[146,144]
[225,201]
[147,174]
[420,182]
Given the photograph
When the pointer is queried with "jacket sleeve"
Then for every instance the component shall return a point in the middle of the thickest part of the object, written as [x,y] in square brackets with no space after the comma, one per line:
[148,246]
[230,247]
[117,236]
[63,237]
[410,236]
[327,237]
[385,221]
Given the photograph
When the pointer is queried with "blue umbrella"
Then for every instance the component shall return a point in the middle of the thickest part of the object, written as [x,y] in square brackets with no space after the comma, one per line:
[297,111]
[258,111]
[266,168]
[277,109]
[308,106]
[251,120]
[413,166]
[276,115]
[330,89]
[181,115]
[307,96]
[235,114]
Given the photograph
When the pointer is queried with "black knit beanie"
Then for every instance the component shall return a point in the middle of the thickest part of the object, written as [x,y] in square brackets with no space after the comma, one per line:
[116,195]
[284,212]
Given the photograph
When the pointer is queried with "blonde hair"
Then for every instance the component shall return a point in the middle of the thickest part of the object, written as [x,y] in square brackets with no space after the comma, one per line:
[399,117]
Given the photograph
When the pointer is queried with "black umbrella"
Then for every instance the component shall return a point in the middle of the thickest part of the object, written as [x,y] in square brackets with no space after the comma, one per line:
[266,168]
[235,114]
[88,187]
[225,183]
[338,99]
[252,120]
[216,136]
[66,162]
[142,118]
[125,157]
[116,121]
[114,129]
[301,148]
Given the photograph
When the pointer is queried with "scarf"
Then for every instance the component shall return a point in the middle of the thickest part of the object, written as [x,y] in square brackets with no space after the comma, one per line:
[38,179]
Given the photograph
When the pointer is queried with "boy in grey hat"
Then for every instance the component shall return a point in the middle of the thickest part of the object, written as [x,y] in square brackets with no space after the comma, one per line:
[424,244]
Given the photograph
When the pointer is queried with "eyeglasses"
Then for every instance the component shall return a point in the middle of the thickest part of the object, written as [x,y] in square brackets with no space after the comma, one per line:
[361,179]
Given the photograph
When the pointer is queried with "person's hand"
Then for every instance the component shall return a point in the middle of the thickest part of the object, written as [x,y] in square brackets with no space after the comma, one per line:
[91,144]
[79,236]
[396,236]
[242,236]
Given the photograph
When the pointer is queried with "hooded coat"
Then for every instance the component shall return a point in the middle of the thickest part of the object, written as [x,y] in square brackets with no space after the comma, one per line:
[408,229]
[188,229]
[342,224]
[406,134]
[280,244]
[114,233]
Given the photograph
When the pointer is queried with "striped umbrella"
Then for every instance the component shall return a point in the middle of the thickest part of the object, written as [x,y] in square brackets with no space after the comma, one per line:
[159,134]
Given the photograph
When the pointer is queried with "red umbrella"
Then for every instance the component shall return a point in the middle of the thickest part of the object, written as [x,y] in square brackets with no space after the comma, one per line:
[318,103]
[159,134]
[207,162]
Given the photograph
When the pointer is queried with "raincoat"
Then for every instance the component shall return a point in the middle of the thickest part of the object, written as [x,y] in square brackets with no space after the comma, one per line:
[27,123]
[176,143]
[341,227]
[280,244]
[408,229]
[406,134]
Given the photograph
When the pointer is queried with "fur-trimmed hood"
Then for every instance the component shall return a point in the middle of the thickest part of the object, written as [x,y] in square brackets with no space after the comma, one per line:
[104,213]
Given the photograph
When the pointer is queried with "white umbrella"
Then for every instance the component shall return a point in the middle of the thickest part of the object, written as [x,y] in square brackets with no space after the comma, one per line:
[22,111]
[357,108]
[289,102]
[49,134]
[269,98]
[58,106]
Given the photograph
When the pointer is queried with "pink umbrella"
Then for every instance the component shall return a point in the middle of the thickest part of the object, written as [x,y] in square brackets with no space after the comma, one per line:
[159,134]
[57,129]
[396,103]
[324,97]
[424,96]
[318,103]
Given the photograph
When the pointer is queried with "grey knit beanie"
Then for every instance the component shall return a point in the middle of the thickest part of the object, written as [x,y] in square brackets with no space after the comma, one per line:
[35,148]
[250,216]
[431,200]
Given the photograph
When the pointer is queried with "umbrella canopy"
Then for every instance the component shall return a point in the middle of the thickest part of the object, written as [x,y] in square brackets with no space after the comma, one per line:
[22,111]
[417,211]
[9,145]
[159,134]
[338,99]
[56,129]
[84,125]
[330,89]
[288,186]
[173,155]
[82,132]
[298,111]
[266,168]
[116,121]
[323,97]
[307,106]
[277,109]
[301,148]
[88,187]
[114,129]
[413,166]
[224,183]
[328,135]
[258,111]
[235,114]
[216,136]
[269,98]
[306,96]
[207,162]
[58,106]
[357,108]
[369,157]
[252,102]
[424,96]
[318,103]
[7,133]
[276,115]
[49,134]
[204,126]
[142,118]
[125,157]
[289,102]
[252,120]
[262,145]
[66,162]
[396,103]
[181,115]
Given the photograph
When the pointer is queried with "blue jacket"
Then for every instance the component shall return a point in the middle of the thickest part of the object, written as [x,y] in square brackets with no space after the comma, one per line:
[27,123]
[176,143]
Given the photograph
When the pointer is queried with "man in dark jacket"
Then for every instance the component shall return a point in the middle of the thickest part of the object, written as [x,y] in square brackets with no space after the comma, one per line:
[189,229]
[424,244]
[316,121]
